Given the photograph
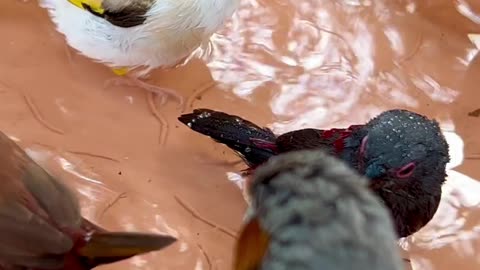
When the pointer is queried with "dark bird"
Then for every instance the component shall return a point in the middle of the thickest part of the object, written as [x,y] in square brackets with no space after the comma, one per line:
[41,227]
[402,152]
[310,211]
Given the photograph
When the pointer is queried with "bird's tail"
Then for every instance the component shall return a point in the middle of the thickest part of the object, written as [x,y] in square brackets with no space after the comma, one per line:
[253,143]
[108,247]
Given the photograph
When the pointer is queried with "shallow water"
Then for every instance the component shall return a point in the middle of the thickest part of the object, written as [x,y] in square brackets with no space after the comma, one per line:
[283,64]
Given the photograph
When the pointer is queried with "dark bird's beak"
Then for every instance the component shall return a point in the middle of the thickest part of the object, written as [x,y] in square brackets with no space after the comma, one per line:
[374,171]
[107,247]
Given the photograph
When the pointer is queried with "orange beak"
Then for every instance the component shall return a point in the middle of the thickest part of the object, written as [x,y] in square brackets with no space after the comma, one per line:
[251,246]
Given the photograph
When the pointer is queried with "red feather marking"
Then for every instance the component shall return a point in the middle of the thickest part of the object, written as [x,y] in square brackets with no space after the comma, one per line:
[339,145]
[327,134]
[264,144]
[341,135]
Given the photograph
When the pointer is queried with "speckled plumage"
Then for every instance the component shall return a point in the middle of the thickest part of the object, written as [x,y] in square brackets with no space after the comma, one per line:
[402,152]
[320,214]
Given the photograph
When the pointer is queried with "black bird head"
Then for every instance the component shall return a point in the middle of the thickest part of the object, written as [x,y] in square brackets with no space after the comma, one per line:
[401,148]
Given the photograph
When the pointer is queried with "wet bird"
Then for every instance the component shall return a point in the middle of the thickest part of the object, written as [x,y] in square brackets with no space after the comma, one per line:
[402,152]
[311,211]
[41,227]
[136,36]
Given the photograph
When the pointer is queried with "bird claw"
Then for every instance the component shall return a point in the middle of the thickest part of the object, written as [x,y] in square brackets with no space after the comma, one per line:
[162,92]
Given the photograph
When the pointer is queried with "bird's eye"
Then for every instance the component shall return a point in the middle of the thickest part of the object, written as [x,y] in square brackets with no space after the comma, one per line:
[406,171]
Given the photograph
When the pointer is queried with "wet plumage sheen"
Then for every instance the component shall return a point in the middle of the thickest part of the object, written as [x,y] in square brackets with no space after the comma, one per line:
[402,152]
[41,227]
[310,211]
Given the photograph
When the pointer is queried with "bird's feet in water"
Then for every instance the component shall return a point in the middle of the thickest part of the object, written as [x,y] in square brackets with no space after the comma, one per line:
[162,92]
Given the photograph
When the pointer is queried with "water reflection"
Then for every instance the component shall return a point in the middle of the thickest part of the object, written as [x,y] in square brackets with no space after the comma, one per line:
[324,63]
[323,59]
[454,231]
[475,39]
[466,10]
[334,63]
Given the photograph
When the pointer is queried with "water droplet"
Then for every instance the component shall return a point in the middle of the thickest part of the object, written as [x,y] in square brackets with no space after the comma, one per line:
[204,115]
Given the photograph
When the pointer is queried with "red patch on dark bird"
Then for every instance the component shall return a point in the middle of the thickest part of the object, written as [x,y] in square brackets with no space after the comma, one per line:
[264,144]
[327,134]
[339,143]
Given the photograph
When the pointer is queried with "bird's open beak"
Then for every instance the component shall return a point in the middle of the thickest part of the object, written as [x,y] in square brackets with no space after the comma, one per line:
[107,247]
[93,5]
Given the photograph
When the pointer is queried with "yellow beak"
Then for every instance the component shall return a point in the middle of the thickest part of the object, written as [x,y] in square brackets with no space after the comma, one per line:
[120,71]
[93,5]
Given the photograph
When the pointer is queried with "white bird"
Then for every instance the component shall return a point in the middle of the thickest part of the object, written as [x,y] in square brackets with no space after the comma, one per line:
[136,36]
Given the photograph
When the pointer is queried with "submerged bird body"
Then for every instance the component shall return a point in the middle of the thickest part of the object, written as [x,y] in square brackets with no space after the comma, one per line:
[310,211]
[143,34]
[41,227]
[403,153]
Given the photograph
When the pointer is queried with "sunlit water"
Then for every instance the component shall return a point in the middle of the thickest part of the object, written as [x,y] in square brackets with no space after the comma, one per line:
[334,63]
[326,64]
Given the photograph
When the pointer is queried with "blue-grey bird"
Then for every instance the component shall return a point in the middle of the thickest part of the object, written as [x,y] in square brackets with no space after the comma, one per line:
[310,211]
